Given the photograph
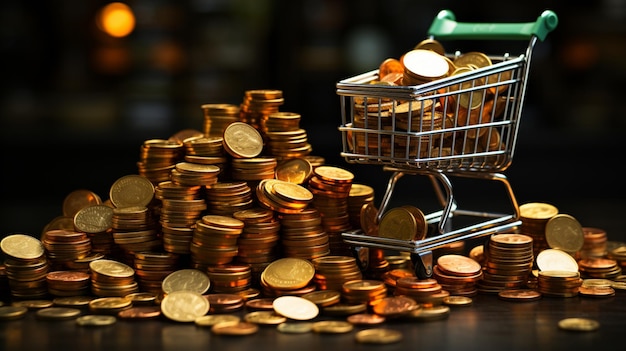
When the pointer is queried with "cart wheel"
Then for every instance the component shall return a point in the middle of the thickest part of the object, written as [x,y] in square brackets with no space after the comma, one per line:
[362,255]
[423,264]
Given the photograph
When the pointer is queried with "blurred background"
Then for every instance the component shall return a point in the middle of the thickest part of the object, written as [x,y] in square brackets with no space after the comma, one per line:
[80,94]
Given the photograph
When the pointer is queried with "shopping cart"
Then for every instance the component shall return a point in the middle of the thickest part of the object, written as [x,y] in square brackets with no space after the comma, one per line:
[458,125]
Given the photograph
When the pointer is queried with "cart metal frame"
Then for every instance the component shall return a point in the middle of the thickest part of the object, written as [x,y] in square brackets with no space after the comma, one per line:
[457,148]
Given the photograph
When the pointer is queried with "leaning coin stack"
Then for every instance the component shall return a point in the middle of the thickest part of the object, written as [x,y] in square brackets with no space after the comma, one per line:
[214,240]
[288,276]
[458,274]
[330,187]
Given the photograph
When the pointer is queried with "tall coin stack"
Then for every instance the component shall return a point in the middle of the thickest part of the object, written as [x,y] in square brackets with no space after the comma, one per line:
[330,187]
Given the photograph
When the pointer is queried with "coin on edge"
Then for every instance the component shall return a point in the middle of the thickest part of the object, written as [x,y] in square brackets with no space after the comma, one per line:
[579,324]
[378,336]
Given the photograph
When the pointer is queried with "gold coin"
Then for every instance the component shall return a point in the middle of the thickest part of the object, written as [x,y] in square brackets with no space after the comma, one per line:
[12,312]
[264,317]
[579,324]
[538,210]
[431,44]
[33,304]
[242,140]
[295,307]
[111,268]
[425,64]
[365,319]
[378,336]
[94,219]
[184,306]
[472,59]
[288,273]
[323,297]
[519,295]
[22,246]
[398,223]
[235,328]
[186,279]
[96,320]
[565,233]
[295,327]
[331,173]
[556,260]
[210,320]
[458,265]
[296,170]
[58,313]
[332,327]
[131,190]
[454,300]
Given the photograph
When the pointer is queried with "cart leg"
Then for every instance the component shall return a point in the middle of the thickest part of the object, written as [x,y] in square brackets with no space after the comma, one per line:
[423,264]
[362,255]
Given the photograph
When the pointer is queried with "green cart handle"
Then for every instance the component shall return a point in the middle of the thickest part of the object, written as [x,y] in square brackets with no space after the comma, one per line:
[445,26]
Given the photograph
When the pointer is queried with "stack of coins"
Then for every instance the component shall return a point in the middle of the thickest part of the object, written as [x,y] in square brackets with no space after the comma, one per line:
[259,241]
[330,187]
[110,278]
[423,66]
[181,207]
[224,302]
[282,196]
[151,267]
[600,268]
[360,194]
[68,283]
[594,244]
[65,246]
[367,291]
[535,217]
[295,170]
[302,234]
[426,292]
[26,266]
[289,144]
[558,273]
[214,240]
[226,198]
[207,151]
[391,276]
[331,272]
[190,174]
[253,170]
[157,158]
[458,274]
[230,278]
[134,230]
[217,117]
[259,104]
[288,276]
[508,262]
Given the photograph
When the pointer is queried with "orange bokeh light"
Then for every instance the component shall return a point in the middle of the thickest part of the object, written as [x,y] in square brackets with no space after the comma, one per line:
[116,19]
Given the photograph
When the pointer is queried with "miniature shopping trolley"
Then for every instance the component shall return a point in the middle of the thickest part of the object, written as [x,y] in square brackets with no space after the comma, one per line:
[459,121]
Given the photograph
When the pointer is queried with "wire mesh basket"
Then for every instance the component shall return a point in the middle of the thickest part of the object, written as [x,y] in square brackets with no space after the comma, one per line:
[445,115]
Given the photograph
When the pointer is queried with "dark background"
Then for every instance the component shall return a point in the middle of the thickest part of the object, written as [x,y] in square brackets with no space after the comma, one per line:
[76,105]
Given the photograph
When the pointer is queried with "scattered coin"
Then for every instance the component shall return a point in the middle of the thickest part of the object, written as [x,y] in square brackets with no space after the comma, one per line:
[295,307]
[519,295]
[365,319]
[95,320]
[295,327]
[33,304]
[235,328]
[579,324]
[378,336]
[210,320]
[332,327]
[264,318]
[8,313]
[184,306]
[453,300]
[58,313]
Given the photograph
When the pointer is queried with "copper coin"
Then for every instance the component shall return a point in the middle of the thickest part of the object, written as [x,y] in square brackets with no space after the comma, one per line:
[140,313]
[520,295]
[365,319]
